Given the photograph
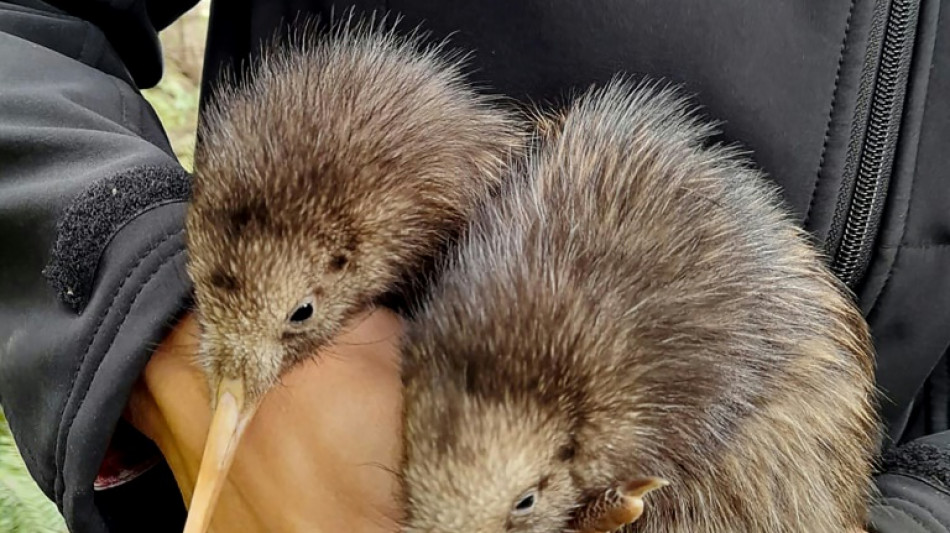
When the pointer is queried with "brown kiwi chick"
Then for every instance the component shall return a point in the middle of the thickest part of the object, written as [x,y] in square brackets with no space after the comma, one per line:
[636,305]
[324,182]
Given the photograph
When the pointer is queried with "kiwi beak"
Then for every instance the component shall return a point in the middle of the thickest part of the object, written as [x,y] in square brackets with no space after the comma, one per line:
[230,419]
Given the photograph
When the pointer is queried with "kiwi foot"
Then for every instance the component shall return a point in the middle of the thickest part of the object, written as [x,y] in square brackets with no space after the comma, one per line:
[616,506]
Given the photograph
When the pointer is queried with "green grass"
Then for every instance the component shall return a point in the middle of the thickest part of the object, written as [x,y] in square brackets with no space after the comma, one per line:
[175,100]
[23,507]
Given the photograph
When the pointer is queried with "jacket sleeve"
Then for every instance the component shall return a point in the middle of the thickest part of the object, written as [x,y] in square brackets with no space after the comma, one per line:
[91,214]
[914,488]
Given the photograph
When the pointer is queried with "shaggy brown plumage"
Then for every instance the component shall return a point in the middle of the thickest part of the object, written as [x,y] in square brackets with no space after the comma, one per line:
[636,303]
[325,181]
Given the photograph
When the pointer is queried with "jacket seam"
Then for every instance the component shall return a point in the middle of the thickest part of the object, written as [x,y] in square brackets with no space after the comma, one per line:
[123,107]
[918,245]
[87,31]
[924,480]
[175,252]
[884,292]
[53,12]
[831,114]
[66,425]
[912,517]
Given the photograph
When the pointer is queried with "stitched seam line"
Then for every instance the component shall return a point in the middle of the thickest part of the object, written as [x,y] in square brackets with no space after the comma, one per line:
[924,480]
[831,114]
[85,42]
[61,442]
[125,315]
[922,245]
[55,15]
[912,517]
[885,287]
[124,107]
[917,246]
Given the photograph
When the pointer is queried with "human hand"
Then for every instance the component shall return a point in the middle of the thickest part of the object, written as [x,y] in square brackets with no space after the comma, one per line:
[320,452]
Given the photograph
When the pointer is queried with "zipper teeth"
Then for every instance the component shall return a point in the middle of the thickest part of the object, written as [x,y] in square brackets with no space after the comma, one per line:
[851,256]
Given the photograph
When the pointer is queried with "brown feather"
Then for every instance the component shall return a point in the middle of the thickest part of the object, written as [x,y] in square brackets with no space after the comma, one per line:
[335,171]
[637,303]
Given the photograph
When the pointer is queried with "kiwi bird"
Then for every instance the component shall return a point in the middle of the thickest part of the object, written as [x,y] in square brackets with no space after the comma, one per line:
[636,305]
[325,181]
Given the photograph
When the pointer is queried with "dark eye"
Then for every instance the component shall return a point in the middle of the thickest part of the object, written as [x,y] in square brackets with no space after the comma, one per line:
[303,313]
[525,504]
[337,263]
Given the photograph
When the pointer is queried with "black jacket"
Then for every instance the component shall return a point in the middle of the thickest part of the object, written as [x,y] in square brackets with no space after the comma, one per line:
[846,104]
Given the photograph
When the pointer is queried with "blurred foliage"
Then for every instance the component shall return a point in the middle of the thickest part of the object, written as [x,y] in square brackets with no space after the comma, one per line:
[23,507]
[175,101]
[175,98]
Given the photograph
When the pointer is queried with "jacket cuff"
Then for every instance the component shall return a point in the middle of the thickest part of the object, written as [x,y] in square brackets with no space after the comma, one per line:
[914,488]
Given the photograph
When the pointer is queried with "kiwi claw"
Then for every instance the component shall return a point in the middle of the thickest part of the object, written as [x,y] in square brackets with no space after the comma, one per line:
[616,507]
[639,488]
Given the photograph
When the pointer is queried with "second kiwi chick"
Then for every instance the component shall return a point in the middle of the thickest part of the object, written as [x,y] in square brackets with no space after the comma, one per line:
[637,305]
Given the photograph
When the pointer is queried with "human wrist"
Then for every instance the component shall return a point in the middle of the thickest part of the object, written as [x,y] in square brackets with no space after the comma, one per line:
[320,450]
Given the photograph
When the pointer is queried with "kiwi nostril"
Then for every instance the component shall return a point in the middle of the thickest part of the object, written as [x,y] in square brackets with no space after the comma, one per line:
[338,262]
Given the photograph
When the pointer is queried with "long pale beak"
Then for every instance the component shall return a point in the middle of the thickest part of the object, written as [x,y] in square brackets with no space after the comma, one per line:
[617,507]
[230,419]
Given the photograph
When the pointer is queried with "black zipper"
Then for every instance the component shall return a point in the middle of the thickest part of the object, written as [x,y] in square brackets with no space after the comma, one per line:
[871,155]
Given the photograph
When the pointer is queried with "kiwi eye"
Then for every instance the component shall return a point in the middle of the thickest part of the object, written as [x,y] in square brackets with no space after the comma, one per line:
[525,504]
[302,314]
